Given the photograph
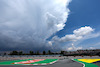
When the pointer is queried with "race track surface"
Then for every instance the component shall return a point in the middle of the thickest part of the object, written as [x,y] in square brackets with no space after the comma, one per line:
[97,63]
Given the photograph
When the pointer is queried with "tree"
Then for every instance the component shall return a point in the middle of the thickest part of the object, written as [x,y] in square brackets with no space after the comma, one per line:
[98,54]
[37,53]
[20,53]
[5,53]
[31,53]
[44,52]
[62,52]
[14,53]
[49,52]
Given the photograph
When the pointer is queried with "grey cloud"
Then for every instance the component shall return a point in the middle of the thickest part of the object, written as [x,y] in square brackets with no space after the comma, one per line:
[28,23]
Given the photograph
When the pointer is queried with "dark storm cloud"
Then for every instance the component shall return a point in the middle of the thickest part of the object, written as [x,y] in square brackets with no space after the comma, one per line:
[26,24]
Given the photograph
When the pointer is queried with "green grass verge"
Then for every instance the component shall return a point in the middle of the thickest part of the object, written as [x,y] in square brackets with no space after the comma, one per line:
[87,64]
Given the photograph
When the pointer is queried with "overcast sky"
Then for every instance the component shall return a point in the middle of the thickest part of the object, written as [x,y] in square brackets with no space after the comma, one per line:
[49,25]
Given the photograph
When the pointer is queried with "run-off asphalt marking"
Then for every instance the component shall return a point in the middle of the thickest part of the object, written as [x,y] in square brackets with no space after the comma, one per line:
[86,64]
[42,63]
[89,60]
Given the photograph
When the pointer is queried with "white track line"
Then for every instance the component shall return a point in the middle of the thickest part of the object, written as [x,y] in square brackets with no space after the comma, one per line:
[80,62]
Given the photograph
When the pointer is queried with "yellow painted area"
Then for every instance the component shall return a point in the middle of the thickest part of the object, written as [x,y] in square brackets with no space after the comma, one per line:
[89,60]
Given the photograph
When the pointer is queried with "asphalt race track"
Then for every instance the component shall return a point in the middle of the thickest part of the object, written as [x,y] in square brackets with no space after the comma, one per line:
[97,63]
[60,63]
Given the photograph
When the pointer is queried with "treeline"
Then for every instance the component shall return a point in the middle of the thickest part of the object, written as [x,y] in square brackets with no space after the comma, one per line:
[34,53]
[95,52]
[83,54]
